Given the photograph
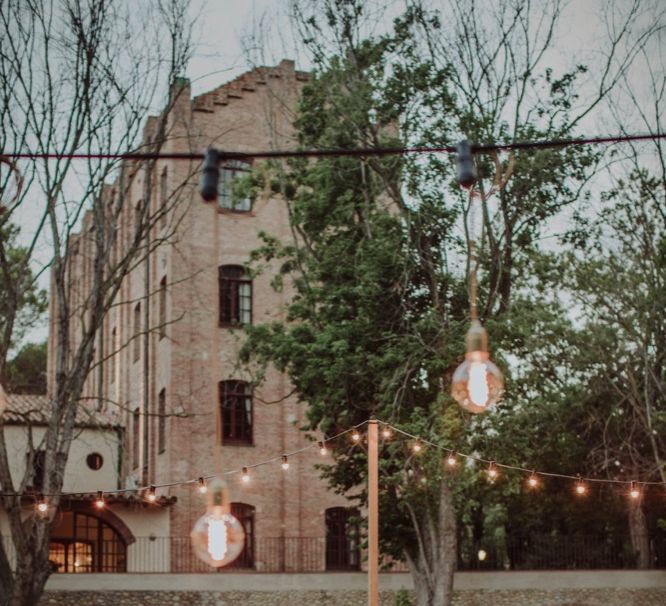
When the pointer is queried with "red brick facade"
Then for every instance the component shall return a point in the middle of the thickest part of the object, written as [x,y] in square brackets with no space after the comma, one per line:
[190,355]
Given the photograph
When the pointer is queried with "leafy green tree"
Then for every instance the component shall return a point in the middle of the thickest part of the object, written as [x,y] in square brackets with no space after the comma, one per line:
[26,371]
[378,261]
[22,303]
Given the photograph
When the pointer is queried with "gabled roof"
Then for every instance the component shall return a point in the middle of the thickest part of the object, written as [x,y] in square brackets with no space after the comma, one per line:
[24,409]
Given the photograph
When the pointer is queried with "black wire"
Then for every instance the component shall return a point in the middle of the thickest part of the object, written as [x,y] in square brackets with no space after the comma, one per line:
[331,153]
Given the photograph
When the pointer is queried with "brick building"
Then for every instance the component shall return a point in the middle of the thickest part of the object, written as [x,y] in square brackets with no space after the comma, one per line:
[166,357]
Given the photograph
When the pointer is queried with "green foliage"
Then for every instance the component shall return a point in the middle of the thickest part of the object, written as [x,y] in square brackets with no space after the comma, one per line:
[22,304]
[26,371]
[376,324]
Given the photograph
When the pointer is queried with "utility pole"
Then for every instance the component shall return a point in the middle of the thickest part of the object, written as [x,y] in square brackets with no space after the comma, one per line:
[373,514]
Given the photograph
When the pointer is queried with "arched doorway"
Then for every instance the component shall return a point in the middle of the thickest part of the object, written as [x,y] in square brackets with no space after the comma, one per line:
[83,542]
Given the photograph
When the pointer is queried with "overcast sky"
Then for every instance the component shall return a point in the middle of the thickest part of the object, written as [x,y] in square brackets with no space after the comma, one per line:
[227,44]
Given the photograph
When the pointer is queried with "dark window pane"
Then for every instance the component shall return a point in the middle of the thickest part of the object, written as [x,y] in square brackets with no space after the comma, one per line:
[236,408]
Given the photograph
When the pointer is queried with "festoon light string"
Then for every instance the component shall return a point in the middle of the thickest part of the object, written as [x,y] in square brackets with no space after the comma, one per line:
[388,431]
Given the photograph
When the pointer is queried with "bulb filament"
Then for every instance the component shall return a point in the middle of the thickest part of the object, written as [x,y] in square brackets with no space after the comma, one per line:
[217,538]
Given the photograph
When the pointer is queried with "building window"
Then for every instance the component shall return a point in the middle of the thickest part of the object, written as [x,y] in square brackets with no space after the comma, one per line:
[86,543]
[235,295]
[236,407]
[136,346]
[164,198]
[162,310]
[95,461]
[229,172]
[136,437]
[244,513]
[342,539]
[161,421]
[112,357]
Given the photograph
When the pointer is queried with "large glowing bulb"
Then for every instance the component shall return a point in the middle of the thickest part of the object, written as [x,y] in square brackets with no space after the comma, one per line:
[218,537]
[477,383]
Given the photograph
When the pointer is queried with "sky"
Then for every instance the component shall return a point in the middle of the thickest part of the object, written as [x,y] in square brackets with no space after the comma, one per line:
[231,35]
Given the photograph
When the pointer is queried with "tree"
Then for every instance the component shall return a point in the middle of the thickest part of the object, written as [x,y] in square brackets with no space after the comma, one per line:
[22,304]
[26,371]
[79,77]
[378,260]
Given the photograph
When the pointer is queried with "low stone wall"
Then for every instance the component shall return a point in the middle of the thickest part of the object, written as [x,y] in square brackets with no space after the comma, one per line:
[536,588]
[523,597]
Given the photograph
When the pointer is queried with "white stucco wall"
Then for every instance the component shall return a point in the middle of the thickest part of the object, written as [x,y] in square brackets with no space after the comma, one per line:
[78,476]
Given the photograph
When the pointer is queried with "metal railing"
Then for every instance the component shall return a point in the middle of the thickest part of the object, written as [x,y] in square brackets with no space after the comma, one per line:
[317,554]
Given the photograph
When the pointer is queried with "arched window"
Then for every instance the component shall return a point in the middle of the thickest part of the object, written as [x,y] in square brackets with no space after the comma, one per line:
[342,539]
[235,295]
[236,408]
[81,542]
[245,515]
[229,172]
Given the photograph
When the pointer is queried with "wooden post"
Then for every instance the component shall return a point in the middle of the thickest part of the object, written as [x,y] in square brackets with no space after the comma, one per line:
[373,515]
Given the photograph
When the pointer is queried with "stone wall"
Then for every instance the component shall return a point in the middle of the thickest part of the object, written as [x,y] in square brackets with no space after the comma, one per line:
[524,597]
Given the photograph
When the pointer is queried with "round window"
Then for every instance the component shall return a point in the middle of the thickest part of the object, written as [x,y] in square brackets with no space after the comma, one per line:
[95,461]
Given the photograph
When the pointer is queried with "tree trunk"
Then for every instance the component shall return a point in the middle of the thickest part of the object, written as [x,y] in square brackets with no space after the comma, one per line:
[432,567]
[638,532]
[29,580]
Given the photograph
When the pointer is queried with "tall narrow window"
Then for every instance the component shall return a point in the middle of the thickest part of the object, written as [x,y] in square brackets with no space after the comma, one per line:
[342,539]
[244,513]
[136,437]
[112,358]
[164,198]
[136,345]
[228,199]
[235,295]
[236,407]
[161,421]
[163,304]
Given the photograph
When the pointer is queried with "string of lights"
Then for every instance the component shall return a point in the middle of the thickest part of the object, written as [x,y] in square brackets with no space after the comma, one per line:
[338,152]
[388,431]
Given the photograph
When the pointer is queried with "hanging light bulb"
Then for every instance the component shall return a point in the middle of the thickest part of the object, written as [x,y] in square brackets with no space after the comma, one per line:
[386,432]
[285,462]
[416,447]
[492,471]
[451,460]
[634,491]
[42,505]
[217,537]
[533,481]
[581,489]
[151,496]
[356,436]
[202,488]
[323,451]
[99,500]
[245,475]
[477,383]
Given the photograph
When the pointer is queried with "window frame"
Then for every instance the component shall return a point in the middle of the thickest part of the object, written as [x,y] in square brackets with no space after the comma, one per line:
[161,421]
[241,433]
[343,552]
[230,170]
[229,289]
[136,348]
[245,514]
[162,311]
[136,438]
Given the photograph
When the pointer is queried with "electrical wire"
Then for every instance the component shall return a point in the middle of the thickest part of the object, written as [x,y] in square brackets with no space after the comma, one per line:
[531,472]
[339,152]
